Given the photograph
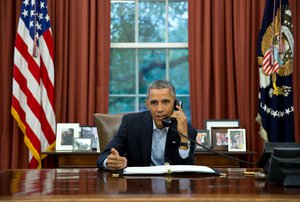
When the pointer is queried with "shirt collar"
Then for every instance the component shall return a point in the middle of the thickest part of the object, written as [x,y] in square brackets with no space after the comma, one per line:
[155,128]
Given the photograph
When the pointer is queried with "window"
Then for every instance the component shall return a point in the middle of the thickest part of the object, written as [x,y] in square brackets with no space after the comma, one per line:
[148,42]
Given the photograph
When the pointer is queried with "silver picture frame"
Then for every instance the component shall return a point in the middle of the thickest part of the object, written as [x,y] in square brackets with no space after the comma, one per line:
[204,138]
[82,144]
[237,139]
[65,134]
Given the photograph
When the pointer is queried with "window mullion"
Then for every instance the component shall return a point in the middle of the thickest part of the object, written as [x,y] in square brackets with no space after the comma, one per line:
[166,24]
[136,56]
[167,65]
[136,33]
[167,41]
[137,79]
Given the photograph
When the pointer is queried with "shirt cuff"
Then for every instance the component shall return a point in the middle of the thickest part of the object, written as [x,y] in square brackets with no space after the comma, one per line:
[184,153]
[104,163]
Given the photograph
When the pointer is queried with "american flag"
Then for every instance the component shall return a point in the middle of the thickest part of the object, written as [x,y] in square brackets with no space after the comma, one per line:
[33,80]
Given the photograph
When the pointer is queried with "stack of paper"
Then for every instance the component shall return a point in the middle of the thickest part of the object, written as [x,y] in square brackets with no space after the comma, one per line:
[164,169]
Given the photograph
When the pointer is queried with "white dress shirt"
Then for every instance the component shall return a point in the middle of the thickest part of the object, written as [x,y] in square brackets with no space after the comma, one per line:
[159,137]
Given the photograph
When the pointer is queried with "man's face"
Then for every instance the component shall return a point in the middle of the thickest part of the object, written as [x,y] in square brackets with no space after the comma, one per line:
[160,103]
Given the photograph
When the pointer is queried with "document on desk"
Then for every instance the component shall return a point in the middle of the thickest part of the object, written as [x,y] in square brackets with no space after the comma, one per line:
[167,169]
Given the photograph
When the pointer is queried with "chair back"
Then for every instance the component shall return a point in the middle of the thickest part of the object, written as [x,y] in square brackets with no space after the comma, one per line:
[107,125]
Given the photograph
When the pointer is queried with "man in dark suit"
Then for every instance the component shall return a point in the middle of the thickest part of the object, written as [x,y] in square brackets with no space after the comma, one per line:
[142,139]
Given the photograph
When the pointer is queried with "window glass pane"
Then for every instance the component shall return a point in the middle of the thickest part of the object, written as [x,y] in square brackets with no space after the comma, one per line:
[152,66]
[122,21]
[122,71]
[121,104]
[152,21]
[178,20]
[142,104]
[179,70]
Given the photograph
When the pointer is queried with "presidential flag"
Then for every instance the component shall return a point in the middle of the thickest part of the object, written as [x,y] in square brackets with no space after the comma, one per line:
[275,59]
[33,80]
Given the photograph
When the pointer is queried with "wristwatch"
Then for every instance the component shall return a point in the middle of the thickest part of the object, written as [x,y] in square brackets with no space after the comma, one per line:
[185,144]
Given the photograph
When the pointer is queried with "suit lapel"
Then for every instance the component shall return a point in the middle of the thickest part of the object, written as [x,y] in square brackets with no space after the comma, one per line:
[172,143]
[146,137]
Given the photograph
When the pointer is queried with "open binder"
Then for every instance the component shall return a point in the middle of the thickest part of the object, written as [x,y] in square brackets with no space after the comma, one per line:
[168,169]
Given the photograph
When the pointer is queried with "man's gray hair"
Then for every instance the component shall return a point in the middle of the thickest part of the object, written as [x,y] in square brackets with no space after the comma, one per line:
[161,84]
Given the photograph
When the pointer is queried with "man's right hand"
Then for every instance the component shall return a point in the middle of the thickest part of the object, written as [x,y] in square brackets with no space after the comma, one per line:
[115,161]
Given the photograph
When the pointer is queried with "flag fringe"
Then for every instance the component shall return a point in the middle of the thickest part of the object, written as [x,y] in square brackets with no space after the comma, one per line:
[35,153]
[262,132]
[18,119]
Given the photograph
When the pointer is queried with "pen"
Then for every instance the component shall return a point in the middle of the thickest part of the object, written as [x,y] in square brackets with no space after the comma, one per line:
[249,173]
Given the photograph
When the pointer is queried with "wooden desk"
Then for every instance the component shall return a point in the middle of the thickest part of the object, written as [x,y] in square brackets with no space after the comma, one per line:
[92,185]
[89,159]
[213,160]
[85,159]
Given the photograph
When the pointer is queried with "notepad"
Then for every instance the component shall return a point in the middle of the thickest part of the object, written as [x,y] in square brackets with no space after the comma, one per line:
[167,169]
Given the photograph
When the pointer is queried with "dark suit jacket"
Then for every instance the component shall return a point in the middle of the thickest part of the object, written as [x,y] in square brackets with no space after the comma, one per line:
[134,139]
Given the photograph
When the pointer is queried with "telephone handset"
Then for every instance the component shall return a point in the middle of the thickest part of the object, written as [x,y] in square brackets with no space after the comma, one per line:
[178,103]
[168,120]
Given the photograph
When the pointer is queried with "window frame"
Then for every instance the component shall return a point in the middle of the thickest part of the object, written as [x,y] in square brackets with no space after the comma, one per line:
[136,46]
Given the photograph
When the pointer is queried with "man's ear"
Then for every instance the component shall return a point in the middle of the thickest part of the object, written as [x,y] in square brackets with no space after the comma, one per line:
[147,103]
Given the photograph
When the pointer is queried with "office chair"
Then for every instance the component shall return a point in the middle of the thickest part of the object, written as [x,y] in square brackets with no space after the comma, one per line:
[107,125]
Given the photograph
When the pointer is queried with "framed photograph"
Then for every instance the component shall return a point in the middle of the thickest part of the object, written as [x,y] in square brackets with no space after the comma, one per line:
[65,134]
[236,140]
[91,132]
[82,144]
[203,138]
[220,139]
[221,123]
